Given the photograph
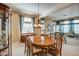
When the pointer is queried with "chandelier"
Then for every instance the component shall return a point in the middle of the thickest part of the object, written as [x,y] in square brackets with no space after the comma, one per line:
[38,25]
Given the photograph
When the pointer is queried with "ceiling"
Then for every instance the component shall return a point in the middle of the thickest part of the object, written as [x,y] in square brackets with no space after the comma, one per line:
[32,8]
[56,11]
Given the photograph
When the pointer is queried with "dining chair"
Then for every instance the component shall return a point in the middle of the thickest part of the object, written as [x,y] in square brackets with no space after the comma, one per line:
[47,37]
[37,38]
[30,49]
[56,48]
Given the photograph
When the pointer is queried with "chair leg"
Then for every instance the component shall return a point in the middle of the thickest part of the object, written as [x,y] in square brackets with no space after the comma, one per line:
[44,52]
[27,53]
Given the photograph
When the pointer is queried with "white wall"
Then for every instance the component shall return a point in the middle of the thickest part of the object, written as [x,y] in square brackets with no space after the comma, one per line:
[70,11]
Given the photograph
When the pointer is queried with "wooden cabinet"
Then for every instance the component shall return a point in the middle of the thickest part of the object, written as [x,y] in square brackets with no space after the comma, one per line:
[5,45]
[25,35]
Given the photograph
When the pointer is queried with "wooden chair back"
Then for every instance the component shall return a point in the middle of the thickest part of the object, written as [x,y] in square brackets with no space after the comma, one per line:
[37,38]
[58,42]
[28,46]
[47,37]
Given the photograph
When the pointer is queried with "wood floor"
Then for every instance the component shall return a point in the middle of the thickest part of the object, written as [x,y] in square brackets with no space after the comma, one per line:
[71,48]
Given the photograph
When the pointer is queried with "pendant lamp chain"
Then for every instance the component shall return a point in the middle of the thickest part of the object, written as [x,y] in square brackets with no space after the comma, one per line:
[38,9]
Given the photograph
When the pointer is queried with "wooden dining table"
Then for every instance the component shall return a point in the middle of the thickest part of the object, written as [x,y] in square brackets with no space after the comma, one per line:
[41,42]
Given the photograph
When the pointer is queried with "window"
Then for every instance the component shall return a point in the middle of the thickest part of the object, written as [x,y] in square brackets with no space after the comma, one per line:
[54,28]
[27,25]
[49,28]
[66,28]
[76,21]
[65,22]
[43,25]
[57,28]
[76,28]
[71,26]
[62,28]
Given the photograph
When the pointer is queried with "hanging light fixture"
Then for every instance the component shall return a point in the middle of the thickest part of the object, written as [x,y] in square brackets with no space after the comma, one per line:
[38,25]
